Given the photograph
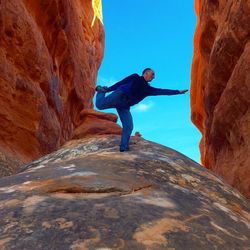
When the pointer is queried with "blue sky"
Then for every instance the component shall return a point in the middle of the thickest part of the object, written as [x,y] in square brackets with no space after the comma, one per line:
[157,34]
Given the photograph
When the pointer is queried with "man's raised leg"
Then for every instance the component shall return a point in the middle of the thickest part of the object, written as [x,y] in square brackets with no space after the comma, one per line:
[111,101]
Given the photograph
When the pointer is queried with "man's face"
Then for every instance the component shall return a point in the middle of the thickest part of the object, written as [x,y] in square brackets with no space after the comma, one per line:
[149,75]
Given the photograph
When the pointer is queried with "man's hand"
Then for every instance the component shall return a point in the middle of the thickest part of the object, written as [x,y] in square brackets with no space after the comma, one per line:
[105,88]
[183,91]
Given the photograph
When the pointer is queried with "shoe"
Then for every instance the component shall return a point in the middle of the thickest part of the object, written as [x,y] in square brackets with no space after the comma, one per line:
[124,149]
[100,89]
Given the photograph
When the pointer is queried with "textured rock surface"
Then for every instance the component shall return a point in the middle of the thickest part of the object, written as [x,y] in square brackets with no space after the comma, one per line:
[50,51]
[88,195]
[220,88]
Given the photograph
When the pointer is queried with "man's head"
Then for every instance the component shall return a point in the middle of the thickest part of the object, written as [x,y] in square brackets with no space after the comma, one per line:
[148,74]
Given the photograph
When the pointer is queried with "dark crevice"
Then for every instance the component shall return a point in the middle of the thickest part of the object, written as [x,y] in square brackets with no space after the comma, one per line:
[81,190]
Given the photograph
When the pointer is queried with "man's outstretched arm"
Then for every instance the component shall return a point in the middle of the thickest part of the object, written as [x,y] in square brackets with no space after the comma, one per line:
[156,91]
[122,82]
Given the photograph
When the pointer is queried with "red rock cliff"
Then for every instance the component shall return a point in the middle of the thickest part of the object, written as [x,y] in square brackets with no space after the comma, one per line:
[220,91]
[50,51]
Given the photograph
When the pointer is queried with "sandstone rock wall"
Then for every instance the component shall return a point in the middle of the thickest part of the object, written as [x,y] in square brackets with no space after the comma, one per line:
[220,91]
[50,51]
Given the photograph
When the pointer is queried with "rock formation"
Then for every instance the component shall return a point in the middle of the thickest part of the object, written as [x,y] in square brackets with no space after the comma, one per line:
[220,88]
[88,195]
[50,51]
[96,123]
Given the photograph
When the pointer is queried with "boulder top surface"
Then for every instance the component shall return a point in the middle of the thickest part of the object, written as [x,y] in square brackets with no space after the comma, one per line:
[88,195]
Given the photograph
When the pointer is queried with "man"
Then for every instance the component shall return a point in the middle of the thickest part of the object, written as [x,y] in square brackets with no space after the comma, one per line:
[127,93]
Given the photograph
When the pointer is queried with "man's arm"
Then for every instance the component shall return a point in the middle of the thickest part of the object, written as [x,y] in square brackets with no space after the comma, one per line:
[122,82]
[156,91]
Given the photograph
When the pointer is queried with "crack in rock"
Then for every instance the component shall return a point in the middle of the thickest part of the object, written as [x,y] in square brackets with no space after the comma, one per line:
[94,190]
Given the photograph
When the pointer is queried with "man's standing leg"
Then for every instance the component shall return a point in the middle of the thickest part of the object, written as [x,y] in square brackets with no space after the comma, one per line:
[127,127]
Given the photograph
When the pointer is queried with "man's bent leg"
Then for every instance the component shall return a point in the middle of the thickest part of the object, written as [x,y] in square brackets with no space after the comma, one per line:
[127,127]
[110,101]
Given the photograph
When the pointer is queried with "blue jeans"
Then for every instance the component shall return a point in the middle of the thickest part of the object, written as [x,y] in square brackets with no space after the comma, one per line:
[118,100]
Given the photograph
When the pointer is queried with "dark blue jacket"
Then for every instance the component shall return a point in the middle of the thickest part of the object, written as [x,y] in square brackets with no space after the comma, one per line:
[137,88]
